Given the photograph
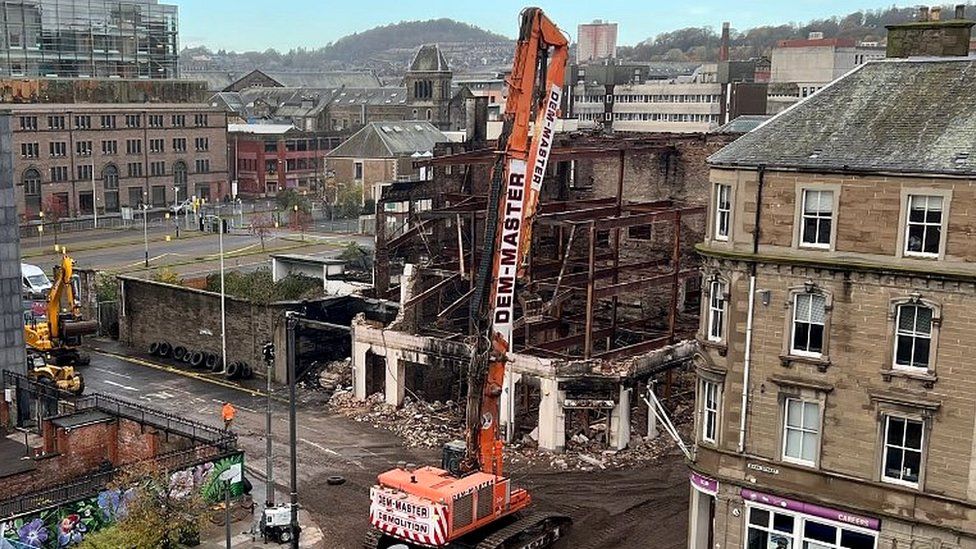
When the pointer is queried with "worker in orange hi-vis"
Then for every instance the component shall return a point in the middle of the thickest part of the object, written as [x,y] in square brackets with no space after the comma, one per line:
[228,412]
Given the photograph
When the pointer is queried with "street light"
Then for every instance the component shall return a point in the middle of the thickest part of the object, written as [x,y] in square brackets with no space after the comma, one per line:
[145,230]
[223,295]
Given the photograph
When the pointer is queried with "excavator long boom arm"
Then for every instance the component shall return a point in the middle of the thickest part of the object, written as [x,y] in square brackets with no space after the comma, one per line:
[535,94]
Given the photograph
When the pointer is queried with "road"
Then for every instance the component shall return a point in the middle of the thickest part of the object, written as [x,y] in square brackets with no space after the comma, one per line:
[193,254]
[630,508]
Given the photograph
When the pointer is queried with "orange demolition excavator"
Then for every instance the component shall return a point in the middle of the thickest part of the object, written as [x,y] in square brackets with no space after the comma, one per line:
[469,502]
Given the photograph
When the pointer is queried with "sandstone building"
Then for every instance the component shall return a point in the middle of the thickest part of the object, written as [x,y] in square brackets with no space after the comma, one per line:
[836,399]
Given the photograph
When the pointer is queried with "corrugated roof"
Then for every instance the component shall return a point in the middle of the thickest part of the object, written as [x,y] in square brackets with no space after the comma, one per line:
[390,140]
[908,116]
[260,129]
[219,80]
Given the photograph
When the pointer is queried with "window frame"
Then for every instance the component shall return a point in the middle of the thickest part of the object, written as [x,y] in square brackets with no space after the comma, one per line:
[705,410]
[883,439]
[791,321]
[798,215]
[818,217]
[903,223]
[803,429]
[716,233]
[796,535]
[710,326]
[890,368]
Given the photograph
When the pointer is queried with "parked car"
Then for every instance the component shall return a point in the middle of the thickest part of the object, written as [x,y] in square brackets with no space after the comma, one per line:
[34,283]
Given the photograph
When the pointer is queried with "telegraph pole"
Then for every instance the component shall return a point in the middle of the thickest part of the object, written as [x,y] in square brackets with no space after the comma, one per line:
[291,322]
[269,358]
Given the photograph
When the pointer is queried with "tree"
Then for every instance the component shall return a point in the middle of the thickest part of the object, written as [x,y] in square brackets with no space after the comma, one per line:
[261,227]
[167,275]
[289,198]
[357,257]
[349,200]
[153,511]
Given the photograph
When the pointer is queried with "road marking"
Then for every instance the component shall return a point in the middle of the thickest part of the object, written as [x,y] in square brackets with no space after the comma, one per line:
[110,372]
[183,373]
[119,385]
[320,447]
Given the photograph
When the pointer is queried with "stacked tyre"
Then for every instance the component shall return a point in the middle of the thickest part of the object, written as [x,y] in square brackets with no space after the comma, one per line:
[239,370]
[161,349]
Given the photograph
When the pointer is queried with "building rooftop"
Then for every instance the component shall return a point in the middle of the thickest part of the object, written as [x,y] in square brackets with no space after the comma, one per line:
[743,124]
[904,116]
[429,59]
[260,129]
[389,140]
[222,80]
[51,108]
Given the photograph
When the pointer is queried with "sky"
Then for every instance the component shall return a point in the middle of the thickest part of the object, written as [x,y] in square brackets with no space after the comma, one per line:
[242,25]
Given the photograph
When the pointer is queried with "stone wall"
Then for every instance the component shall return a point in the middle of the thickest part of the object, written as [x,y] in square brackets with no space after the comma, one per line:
[11,307]
[154,311]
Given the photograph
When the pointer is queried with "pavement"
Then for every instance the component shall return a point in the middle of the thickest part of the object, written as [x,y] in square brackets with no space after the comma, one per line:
[192,254]
[327,444]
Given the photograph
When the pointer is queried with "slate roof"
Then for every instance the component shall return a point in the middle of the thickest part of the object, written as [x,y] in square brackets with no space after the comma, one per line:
[429,59]
[743,124]
[894,115]
[219,80]
[390,140]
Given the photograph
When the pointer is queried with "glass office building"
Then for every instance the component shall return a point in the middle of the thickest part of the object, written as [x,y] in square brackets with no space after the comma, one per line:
[88,38]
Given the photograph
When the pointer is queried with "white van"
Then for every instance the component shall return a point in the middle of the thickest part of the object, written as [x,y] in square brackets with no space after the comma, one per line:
[34,283]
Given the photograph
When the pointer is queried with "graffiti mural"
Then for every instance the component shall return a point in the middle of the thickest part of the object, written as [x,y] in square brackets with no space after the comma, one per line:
[67,525]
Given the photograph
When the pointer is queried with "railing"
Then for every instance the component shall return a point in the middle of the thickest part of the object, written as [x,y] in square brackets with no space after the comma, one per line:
[198,432]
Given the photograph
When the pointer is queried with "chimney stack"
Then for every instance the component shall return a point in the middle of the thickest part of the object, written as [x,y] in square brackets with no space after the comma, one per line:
[931,36]
[723,53]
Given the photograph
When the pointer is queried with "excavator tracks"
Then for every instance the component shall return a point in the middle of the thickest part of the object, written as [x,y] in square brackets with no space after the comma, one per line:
[372,540]
[534,531]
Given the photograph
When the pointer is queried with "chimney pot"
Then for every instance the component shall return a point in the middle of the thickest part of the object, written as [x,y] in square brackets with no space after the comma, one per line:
[936,14]
[923,13]
[960,11]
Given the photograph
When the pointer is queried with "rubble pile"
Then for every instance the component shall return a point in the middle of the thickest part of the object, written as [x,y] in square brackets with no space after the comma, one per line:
[584,454]
[418,423]
[328,376]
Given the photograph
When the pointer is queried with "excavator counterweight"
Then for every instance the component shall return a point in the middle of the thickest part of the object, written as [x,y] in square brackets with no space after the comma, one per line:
[468,502]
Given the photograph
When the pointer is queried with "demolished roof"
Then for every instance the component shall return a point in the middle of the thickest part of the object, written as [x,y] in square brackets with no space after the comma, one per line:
[389,140]
[905,116]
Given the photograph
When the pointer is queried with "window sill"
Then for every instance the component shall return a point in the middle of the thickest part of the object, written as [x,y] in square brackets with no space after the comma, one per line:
[927,377]
[923,256]
[821,362]
[719,346]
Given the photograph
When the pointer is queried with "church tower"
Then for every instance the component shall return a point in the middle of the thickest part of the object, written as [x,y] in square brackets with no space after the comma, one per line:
[428,83]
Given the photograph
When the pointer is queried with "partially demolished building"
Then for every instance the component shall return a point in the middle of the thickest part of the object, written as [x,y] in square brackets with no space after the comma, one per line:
[610,297]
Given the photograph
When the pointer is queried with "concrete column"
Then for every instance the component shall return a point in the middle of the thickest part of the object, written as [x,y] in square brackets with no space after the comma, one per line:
[652,431]
[358,367]
[394,379]
[552,418]
[699,519]
[620,421]
[506,415]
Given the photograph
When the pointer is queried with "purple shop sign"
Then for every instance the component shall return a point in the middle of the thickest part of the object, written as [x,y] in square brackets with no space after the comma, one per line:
[704,484]
[811,509]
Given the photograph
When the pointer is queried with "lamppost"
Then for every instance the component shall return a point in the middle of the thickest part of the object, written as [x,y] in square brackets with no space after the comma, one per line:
[145,230]
[40,230]
[223,295]
[94,200]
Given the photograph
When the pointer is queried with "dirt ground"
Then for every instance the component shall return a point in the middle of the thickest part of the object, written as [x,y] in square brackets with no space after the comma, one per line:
[639,507]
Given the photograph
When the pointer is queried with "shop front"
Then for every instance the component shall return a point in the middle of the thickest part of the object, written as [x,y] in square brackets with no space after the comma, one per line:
[773,522]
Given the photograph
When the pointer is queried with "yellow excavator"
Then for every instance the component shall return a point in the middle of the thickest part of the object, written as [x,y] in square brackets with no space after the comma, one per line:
[57,337]
[65,378]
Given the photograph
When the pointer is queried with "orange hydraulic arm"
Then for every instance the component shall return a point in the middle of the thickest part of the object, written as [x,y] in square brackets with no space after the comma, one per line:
[535,92]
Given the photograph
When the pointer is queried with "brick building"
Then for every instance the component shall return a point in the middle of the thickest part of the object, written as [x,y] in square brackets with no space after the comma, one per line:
[70,158]
[836,401]
[267,158]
